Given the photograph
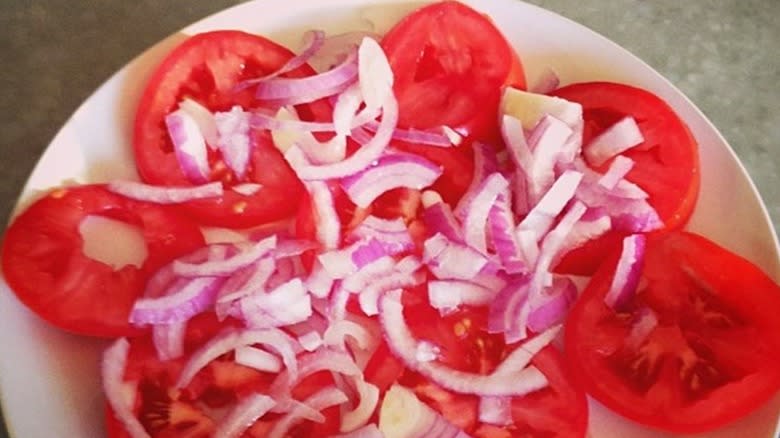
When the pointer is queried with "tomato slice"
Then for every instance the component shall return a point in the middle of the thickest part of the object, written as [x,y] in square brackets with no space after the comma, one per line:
[44,264]
[166,412]
[206,68]
[711,359]
[666,164]
[450,63]
[560,410]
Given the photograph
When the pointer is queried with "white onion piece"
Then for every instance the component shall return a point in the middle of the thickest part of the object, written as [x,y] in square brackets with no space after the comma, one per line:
[287,304]
[627,272]
[337,333]
[521,156]
[119,395]
[341,263]
[391,234]
[310,341]
[403,345]
[246,281]
[258,359]
[495,410]
[165,195]
[243,415]
[478,210]
[617,171]
[553,306]
[368,400]
[293,91]
[323,399]
[367,431]
[319,283]
[504,313]
[485,164]
[229,265]
[439,217]
[359,280]
[390,172]
[374,73]
[183,300]
[189,146]
[446,295]
[542,216]
[313,40]
[403,415]
[591,225]
[361,159]
[234,142]
[169,340]
[203,117]
[401,276]
[323,359]
[226,342]
[450,260]
[501,225]
[546,141]
[618,138]
[443,137]
[521,357]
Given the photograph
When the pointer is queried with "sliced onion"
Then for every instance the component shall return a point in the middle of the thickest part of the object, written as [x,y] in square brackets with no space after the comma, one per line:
[203,117]
[403,345]
[165,195]
[229,265]
[319,283]
[323,399]
[189,146]
[368,400]
[246,281]
[185,299]
[228,341]
[403,415]
[233,130]
[485,164]
[593,224]
[293,91]
[169,340]
[343,262]
[243,415]
[521,357]
[547,140]
[374,73]
[391,234]
[337,333]
[617,171]
[287,304]
[618,138]
[368,273]
[542,216]
[390,172]
[310,341]
[323,359]
[504,314]
[446,295]
[335,47]
[361,159]
[313,41]
[450,260]
[478,210]
[627,272]
[258,359]
[443,137]
[118,394]
[439,218]
[495,410]
[501,225]
[521,156]
[553,307]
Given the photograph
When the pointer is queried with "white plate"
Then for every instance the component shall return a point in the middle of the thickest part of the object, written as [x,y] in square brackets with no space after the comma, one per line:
[49,379]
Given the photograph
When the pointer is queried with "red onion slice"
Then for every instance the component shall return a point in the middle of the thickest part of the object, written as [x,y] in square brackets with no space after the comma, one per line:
[374,73]
[618,138]
[495,410]
[243,415]
[183,300]
[116,391]
[443,137]
[521,357]
[323,399]
[391,234]
[368,273]
[368,401]
[504,312]
[446,295]
[323,359]
[337,333]
[627,272]
[341,263]
[501,224]
[287,304]
[591,225]
[450,260]
[234,143]
[542,216]
[546,141]
[310,341]
[169,340]
[617,171]
[229,265]
[189,146]
[203,117]
[335,47]
[165,195]
[390,172]
[228,341]
[439,217]
[310,88]
[319,283]
[521,156]
[478,210]
[485,164]
[403,345]
[400,277]
[258,359]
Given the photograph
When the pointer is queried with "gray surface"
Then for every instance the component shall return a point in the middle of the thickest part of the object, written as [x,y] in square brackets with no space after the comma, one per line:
[723,54]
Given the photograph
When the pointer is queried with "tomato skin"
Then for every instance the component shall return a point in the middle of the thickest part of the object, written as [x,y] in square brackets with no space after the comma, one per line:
[206,67]
[666,164]
[712,358]
[450,63]
[44,264]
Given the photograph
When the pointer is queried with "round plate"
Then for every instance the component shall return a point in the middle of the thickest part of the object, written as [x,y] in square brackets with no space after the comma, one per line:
[53,376]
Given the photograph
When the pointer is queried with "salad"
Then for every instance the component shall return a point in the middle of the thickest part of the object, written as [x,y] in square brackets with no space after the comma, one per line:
[409,220]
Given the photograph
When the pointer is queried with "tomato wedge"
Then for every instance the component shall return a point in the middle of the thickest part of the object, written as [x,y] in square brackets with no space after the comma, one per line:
[206,68]
[450,63]
[666,164]
[712,357]
[44,264]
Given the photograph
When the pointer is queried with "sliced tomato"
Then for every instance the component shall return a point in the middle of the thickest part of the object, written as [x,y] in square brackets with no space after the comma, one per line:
[666,163]
[711,359]
[560,410]
[45,265]
[207,67]
[166,412]
[450,63]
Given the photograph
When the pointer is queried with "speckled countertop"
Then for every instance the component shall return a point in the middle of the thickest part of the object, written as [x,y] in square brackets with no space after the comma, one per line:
[723,54]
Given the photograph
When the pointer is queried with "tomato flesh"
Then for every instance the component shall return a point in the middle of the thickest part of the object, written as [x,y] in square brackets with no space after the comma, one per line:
[45,265]
[711,358]
[666,164]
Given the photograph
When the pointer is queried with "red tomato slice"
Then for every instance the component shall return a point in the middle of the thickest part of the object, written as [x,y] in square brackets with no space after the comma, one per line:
[206,68]
[666,164]
[711,359]
[167,413]
[44,264]
[560,410]
[450,63]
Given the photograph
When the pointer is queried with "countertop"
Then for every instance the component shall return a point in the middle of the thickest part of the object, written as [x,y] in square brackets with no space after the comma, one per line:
[722,54]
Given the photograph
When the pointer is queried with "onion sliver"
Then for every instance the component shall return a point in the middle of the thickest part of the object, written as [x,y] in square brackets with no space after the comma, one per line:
[323,399]
[189,145]
[243,415]
[229,265]
[616,139]
[112,371]
[627,272]
[165,195]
